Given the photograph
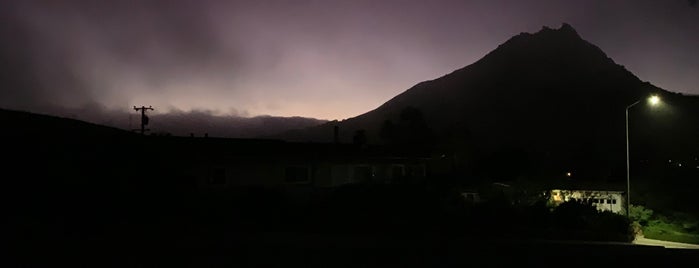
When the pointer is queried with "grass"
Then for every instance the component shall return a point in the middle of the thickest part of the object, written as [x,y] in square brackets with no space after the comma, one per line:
[669,232]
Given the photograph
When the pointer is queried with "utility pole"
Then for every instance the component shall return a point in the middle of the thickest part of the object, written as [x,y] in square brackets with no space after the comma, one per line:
[144,118]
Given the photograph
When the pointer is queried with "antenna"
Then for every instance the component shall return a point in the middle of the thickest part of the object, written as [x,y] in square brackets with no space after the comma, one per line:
[144,118]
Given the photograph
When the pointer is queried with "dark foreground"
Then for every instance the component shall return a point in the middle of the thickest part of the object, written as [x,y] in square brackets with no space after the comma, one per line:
[313,250]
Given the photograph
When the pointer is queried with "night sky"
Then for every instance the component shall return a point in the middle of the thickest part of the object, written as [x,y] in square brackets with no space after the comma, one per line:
[322,59]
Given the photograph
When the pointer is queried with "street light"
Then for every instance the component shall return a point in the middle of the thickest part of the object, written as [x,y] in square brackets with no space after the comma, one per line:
[652,100]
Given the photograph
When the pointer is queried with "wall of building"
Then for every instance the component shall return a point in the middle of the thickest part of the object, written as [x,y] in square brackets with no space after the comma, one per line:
[323,174]
[603,200]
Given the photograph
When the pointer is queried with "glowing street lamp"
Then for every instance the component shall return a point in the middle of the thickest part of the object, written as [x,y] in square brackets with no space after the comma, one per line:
[653,101]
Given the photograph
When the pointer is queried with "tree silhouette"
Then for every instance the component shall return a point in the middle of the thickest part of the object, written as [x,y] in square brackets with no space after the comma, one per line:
[387,133]
[410,129]
[359,137]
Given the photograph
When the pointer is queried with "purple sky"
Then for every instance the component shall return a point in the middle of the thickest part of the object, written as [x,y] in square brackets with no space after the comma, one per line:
[325,59]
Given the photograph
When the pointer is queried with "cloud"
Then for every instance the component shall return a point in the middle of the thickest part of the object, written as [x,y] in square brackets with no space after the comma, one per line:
[183,123]
[325,59]
[309,58]
[113,52]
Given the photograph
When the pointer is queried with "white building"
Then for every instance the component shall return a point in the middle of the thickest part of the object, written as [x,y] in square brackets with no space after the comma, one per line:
[603,200]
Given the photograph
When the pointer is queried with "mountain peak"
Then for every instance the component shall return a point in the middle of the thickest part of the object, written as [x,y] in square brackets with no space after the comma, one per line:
[567,27]
[563,44]
[565,30]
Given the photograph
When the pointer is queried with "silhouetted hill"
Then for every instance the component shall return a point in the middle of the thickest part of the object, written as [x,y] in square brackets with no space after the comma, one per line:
[46,127]
[229,126]
[181,123]
[540,104]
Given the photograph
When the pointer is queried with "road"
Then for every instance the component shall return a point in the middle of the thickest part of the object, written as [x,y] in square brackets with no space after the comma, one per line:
[354,250]
[667,244]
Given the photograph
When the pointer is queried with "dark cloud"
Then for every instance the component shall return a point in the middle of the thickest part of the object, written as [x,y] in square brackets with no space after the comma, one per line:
[325,59]
[184,123]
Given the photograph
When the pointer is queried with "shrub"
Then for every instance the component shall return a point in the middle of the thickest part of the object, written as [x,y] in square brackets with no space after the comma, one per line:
[640,214]
[584,221]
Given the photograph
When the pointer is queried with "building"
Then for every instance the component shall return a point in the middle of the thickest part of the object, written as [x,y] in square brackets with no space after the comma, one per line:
[219,164]
[603,200]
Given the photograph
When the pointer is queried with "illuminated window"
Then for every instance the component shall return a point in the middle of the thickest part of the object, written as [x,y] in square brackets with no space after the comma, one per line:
[556,197]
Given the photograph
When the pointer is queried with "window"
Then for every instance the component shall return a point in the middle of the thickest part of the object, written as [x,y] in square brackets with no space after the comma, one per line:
[609,201]
[469,197]
[217,176]
[362,173]
[340,174]
[613,201]
[397,171]
[418,171]
[296,174]
[556,196]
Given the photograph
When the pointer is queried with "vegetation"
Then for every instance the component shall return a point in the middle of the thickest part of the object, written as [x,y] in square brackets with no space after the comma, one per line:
[584,221]
[678,227]
[410,129]
[366,209]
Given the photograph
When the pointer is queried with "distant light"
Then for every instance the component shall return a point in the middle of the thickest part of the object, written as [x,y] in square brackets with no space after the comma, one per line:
[654,100]
[669,160]
[568,174]
[680,164]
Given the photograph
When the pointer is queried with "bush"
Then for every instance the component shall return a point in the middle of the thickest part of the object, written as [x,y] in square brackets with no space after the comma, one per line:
[574,215]
[640,214]
[582,221]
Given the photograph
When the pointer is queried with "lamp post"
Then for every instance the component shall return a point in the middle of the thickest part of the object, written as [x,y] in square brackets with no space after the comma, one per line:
[652,100]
